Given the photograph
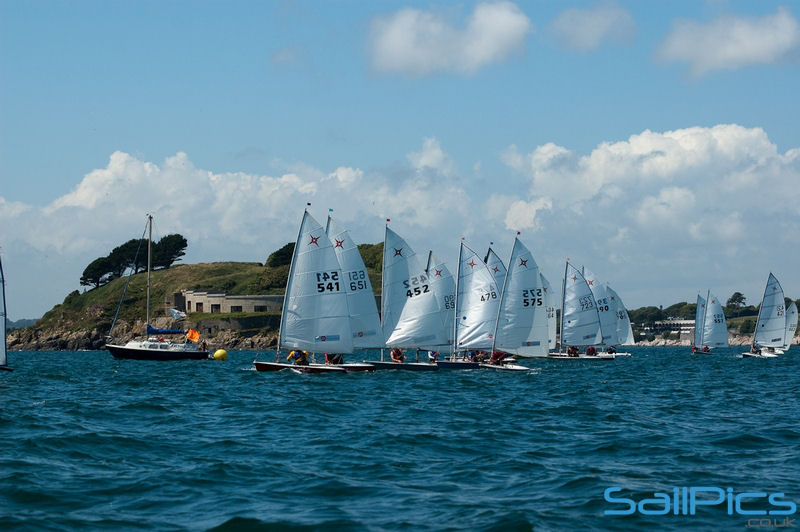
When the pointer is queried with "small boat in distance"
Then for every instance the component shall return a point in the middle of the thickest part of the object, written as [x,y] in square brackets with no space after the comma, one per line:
[3,314]
[768,338]
[156,347]
[580,319]
[791,326]
[710,329]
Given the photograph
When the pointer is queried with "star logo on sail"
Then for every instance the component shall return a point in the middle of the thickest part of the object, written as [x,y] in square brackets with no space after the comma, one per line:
[339,243]
[398,252]
[495,269]
[472,263]
[314,240]
[523,262]
[590,281]
[438,272]
[574,278]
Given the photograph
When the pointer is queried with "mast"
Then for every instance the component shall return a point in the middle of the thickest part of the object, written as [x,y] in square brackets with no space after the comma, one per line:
[563,296]
[760,308]
[455,307]
[149,262]
[502,295]
[289,282]
[705,316]
[383,285]
[3,314]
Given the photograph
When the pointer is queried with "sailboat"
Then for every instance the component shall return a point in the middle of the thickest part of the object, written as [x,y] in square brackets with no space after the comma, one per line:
[551,302]
[477,307]
[614,321]
[315,316]
[580,319]
[521,327]
[156,347]
[410,316]
[364,320]
[710,329]
[791,326]
[768,338]
[3,315]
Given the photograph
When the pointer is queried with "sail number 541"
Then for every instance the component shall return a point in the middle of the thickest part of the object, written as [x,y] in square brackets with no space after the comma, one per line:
[328,282]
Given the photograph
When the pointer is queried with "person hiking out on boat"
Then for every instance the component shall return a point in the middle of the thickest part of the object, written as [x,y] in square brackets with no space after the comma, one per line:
[433,356]
[334,358]
[497,358]
[299,357]
[610,349]
[591,351]
[397,355]
[572,351]
[755,350]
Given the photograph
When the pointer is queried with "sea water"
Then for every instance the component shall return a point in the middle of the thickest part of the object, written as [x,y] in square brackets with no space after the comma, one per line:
[89,442]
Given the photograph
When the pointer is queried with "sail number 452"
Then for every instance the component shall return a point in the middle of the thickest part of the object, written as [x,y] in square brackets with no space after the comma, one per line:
[328,282]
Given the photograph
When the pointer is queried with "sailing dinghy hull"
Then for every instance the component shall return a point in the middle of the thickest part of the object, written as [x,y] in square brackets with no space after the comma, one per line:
[759,355]
[564,356]
[458,364]
[121,352]
[271,366]
[506,367]
[406,366]
[318,368]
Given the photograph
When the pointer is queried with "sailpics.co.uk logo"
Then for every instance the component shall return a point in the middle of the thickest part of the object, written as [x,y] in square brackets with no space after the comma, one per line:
[763,510]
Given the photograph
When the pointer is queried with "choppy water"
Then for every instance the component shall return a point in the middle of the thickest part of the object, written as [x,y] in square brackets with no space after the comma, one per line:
[88,442]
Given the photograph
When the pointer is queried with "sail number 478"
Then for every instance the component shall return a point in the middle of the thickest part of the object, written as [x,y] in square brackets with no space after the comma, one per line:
[328,282]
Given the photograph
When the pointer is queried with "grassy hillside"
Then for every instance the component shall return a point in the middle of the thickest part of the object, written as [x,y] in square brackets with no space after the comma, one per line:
[95,308]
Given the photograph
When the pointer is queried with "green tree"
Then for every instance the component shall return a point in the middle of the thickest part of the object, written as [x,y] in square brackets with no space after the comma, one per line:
[747,327]
[168,250]
[122,257]
[96,272]
[281,257]
[737,300]
[372,255]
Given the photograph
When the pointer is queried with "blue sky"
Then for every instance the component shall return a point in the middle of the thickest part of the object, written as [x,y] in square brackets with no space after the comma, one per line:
[655,142]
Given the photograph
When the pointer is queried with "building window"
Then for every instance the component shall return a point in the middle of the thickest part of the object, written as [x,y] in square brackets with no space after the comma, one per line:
[260,308]
[198,307]
[215,308]
[236,308]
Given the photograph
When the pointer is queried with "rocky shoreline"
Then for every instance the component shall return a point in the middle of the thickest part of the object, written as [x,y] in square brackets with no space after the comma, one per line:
[224,335]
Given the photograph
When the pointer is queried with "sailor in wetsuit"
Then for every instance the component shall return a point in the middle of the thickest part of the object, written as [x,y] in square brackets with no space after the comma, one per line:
[299,357]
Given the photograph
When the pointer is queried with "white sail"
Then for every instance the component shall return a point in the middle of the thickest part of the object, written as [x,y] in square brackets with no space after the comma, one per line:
[699,318]
[605,308]
[624,329]
[315,315]
[551,301]
[3,347]
[496,266]
[715,330]
[771,326]
[477,302]
[364,319]
[444,286]
[522,323]
[791,325]
[411,316]
[580,321]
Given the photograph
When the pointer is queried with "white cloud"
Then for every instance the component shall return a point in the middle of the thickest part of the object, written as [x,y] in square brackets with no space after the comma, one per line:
[413,42]
[433,157]
[664,211]
[730,43]
[586,29]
